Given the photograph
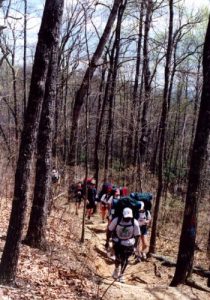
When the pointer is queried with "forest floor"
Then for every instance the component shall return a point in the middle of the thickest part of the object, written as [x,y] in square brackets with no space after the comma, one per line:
[71,270]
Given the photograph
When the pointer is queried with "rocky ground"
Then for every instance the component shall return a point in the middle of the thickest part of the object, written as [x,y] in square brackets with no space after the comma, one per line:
[71,270]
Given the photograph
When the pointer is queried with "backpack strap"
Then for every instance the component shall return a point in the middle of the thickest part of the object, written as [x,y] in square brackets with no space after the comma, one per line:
[120,219]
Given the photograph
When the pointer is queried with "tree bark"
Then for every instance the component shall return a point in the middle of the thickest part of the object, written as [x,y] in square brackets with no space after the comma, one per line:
[47,38]
[25,59]
[147,83]
[100,116]
[36,234]
[208,256]
[189,228]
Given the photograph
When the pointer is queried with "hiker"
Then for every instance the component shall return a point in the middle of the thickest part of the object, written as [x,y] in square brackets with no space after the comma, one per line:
[106,201]
[125,233]
[55,177]
[144,221]
[91,198]
[104,189]
[78,196]
[112,201]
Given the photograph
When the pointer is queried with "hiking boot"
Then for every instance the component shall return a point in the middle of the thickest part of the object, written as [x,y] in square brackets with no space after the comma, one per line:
[116,272]
[138,259]
[121,279]
[144,256]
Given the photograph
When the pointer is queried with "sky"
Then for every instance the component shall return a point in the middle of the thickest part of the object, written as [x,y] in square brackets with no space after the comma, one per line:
[35,8]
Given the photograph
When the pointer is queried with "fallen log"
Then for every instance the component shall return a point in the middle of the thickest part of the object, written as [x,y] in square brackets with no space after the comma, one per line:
[168,263]
[197,286]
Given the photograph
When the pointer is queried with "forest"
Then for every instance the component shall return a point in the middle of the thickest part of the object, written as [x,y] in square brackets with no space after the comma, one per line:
[117,91]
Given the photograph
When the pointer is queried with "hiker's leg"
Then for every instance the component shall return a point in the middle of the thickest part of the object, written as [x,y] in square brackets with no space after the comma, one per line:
[124,263]
[117,252]
[103,212]
[144,239]
[88,213]
[144,247]
[127,252]
[116,271]
[138,247]
[76,205]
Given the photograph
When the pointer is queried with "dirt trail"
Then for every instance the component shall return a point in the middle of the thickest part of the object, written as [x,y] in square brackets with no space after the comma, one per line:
[145,280]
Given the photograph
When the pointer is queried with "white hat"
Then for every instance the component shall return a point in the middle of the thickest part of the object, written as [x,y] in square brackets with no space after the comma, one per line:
[127,213]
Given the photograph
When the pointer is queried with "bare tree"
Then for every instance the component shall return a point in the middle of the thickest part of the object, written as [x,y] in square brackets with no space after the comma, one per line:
[189,227]
[162,130]
[113,70]
[82,92]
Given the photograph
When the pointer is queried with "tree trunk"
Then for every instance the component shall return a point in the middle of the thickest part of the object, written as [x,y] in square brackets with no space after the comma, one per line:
[14,86]
[195,109]
[162,129]
[82,92]
[114,62]
[100,116]
[47,38]
[208,256]
[147,83]
[36,234]
[189,228]
[130,139]
[25,59]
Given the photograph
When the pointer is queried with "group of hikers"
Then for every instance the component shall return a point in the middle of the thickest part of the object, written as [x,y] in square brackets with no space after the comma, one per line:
[127,216]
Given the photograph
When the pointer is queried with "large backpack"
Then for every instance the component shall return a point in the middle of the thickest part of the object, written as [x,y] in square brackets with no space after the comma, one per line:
[119,204]
[144,197]
[123,191]
[106,187]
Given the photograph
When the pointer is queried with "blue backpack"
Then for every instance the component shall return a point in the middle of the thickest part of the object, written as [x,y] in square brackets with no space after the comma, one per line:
[144,197]
[119,204]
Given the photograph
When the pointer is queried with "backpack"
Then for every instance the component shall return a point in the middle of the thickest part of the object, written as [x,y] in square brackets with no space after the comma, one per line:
[144,197]
[124,232]
[104,190]
[123,191]
[86,184]
[119,204]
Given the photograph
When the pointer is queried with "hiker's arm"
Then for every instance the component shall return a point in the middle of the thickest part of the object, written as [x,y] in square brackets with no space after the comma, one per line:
[137,232]
[109,231]
[149,219]
[136,241]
